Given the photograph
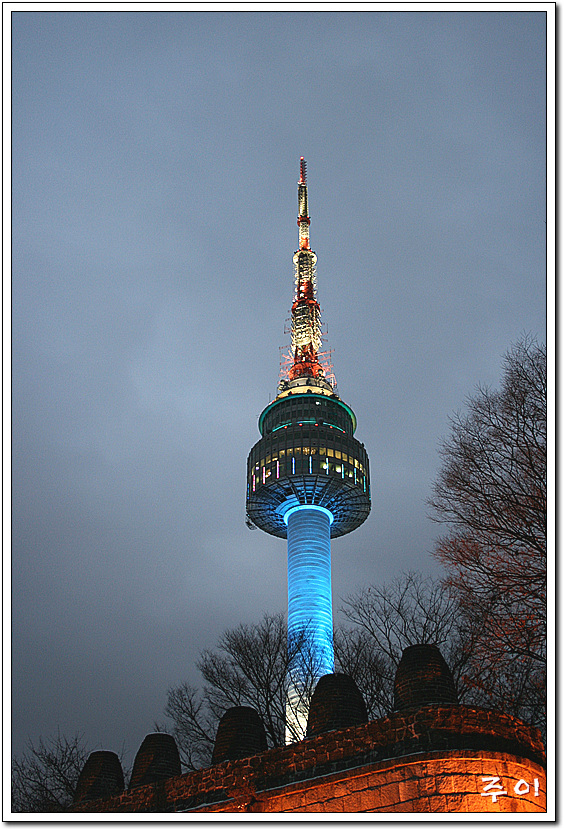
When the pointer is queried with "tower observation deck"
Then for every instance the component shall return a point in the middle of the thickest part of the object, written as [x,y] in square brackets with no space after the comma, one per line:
[308,477]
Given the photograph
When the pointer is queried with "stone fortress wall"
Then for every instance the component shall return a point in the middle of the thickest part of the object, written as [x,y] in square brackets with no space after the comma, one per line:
[430,755]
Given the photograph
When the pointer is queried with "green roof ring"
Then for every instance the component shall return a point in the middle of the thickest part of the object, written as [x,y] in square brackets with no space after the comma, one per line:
[309,396]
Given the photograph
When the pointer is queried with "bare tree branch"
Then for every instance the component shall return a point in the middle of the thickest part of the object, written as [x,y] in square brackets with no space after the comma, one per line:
[45,776]
[491,494]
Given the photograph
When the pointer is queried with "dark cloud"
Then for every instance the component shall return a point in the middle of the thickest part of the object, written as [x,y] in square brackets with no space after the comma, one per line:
[155,157]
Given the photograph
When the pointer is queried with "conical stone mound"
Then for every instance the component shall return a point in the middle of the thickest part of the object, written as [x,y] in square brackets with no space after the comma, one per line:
[336,704]
[423,678]
[101,777]
[156,760]
[240,734]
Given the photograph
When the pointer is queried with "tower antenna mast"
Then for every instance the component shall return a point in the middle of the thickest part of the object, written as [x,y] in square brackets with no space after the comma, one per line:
[306,314]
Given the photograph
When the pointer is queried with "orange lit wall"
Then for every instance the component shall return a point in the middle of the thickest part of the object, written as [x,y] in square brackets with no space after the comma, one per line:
[438,759]
[452,782]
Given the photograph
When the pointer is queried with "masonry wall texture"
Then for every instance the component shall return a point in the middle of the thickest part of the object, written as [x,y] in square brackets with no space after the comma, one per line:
[438,758]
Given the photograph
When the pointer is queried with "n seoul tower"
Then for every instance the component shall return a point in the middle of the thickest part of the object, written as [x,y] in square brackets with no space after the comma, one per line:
[307,477]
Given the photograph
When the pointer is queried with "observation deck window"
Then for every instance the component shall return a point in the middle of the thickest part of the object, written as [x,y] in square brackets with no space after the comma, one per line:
[302,462]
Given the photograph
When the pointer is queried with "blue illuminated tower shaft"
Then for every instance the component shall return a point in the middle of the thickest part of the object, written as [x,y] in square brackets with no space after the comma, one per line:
[310,613]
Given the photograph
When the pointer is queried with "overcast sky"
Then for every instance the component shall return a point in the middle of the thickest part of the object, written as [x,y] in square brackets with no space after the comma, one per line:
[155,162]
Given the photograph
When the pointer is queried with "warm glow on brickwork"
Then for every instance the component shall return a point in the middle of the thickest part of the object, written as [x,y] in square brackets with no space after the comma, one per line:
[452,783]
[412,762]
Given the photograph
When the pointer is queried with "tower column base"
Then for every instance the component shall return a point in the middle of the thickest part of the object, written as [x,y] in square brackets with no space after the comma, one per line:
[310,613]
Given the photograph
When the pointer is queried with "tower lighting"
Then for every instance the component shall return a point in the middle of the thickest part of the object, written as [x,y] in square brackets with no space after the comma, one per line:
[308,477]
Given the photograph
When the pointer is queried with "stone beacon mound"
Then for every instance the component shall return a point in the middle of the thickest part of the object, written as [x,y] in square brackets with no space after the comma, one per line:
[156,760]
[430,754]
[336,704]
[101,777]
[240,734]
[423,677]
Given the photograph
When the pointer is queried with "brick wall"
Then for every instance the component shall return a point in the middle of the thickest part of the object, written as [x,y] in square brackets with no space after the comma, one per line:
[452,782]
[429,760]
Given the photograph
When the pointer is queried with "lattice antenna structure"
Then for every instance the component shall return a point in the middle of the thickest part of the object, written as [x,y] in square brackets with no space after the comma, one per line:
[306,314]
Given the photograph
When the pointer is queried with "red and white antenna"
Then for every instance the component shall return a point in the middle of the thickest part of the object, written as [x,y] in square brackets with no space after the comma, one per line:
[306,315]
[303,218]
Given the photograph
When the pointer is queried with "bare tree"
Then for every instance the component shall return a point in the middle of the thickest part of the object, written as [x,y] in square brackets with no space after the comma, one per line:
[413,609]
[356,655]
[410,610]
[252,666]
[45,776]
[194,725]
[491,494]
[250,669]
